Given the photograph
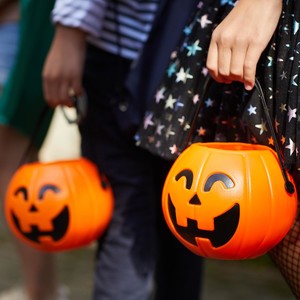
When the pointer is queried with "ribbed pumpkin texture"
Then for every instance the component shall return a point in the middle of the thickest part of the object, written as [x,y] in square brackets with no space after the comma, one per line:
[228,200]
[59,205]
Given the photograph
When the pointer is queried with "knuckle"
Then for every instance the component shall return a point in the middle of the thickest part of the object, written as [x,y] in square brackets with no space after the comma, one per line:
[225,40]
[224,72]
[211,67]
[236,74]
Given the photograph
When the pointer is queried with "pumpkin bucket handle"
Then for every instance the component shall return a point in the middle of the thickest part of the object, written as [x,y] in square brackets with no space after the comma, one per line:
[288,184]
[80,103]
[289,187]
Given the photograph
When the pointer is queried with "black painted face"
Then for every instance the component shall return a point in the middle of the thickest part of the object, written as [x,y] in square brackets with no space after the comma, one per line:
[59,222]
[225,225]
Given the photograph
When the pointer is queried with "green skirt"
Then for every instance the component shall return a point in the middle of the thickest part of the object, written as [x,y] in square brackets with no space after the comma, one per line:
[22,100]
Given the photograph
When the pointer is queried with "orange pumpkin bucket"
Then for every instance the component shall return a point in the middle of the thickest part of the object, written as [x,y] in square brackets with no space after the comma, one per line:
[228,200]
[59,205]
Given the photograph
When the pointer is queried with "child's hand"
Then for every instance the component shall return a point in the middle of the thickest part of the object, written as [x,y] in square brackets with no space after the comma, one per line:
[239,40]
[62,73]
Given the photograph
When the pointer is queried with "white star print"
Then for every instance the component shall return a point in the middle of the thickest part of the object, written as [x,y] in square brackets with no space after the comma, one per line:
[170,102]
[292,113]
[285,115]
[159,129]
[148,120]
[204,21]
[160,94]
[270,61]
[196,98]
[294,80]
[186,127]
[291,146]
[252,110]
[209,102]
[173,54]
[200,4]
[181,120]
[296,27]
[204,71]
[262,126]
[283,75]
[183,75]
[169,132]
[173,149]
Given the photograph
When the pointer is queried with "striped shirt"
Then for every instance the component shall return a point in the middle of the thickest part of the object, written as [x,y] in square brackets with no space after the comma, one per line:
[117,26]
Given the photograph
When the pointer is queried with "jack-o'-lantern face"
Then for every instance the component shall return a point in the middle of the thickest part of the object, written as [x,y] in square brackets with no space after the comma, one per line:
[39,227]
[224,225]
[58,205]
[224,200]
